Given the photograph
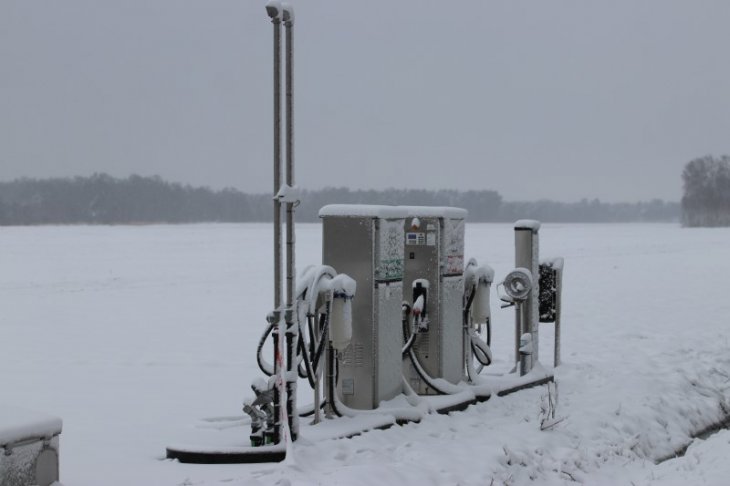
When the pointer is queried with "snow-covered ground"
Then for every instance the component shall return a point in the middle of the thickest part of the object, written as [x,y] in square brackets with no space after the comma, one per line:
[132,334]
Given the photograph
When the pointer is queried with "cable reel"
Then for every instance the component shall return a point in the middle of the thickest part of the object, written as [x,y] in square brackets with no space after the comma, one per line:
[517,286]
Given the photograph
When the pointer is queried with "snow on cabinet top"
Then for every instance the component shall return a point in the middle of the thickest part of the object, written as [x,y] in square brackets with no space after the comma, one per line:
[17,424]
[363,210]
[530,224]
[359,210]
[436,212]
[475,273]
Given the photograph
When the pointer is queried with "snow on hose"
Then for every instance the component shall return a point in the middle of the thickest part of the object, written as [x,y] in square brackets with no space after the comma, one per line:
[481,277]
[343,290]
[311,282]
[481,350]
[480,307]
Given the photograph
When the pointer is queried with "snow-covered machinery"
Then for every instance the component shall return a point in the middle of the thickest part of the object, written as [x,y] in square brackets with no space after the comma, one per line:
[527,251]
[434,279]
[323,319]
[417,254]
[402,332]
[535,289]
[365,242]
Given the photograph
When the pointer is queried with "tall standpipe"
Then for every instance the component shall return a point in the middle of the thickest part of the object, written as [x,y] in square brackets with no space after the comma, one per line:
[274,10]
[292,326]
[527,255]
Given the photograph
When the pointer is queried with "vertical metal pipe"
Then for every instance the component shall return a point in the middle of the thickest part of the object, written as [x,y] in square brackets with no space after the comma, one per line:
[466,345]
[525,353]
[527,256]
[556,356]
[558,309]
[277,162]
[329,411]
[291,315]
[273,10]
[518,333]
[522,326]
[289,29]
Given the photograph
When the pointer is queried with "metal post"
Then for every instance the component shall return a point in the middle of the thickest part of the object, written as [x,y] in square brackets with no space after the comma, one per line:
[558,308]
[292,328]
[273,9]
[522,326]
[525,364]
[556,356]
[329,372]
[518,334]
[317,377]
[527,256]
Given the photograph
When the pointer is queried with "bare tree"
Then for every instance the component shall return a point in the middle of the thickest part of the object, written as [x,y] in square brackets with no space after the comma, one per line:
[706,200]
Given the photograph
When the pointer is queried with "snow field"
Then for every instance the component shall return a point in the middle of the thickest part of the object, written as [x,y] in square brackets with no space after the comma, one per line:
[132,334]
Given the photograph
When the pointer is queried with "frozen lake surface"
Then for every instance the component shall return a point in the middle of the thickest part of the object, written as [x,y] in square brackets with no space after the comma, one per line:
[132,334]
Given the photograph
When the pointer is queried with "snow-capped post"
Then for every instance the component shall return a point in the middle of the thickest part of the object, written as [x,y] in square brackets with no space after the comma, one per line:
[273,9]
[292,326]
[527,250]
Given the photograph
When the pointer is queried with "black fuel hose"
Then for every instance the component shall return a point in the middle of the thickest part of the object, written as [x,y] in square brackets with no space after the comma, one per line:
[302,368]
[310,412]
[422,373]
[332,400]
[408,350]
[265,367]
[479,353]
[312,363]
[408,343]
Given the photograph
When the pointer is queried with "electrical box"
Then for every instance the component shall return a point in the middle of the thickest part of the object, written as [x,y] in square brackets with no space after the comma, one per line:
[434,252]
[551,283]
[366,243]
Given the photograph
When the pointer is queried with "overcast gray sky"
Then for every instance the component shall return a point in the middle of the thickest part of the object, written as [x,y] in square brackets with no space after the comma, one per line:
[556,99]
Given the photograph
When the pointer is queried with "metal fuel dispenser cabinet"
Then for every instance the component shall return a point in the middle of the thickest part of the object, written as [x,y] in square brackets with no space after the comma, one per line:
[434,268]
[366,243]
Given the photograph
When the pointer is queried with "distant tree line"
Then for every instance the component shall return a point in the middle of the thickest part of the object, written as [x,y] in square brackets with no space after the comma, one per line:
[706,200]
[102,199]
[488,206]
